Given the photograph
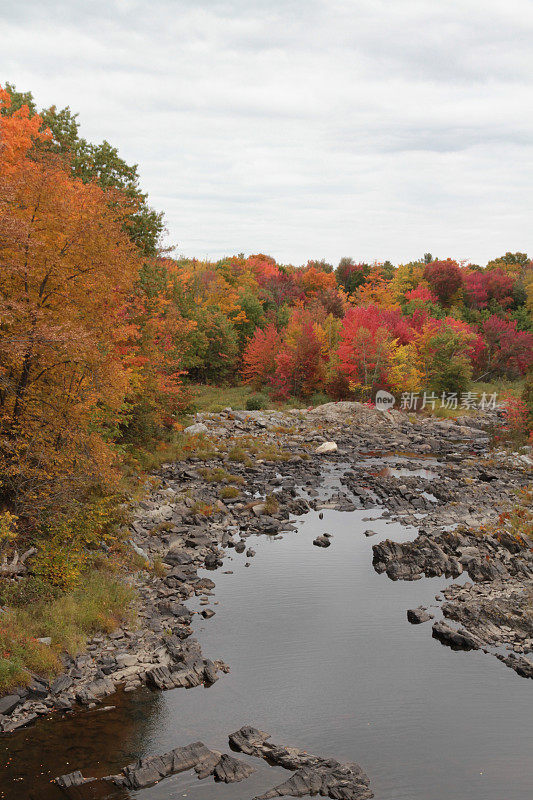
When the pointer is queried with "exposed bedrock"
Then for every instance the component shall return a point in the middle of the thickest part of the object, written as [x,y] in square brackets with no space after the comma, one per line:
[313,774]
[149,771]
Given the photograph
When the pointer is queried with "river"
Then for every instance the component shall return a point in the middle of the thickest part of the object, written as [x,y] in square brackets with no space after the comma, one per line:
[321,657]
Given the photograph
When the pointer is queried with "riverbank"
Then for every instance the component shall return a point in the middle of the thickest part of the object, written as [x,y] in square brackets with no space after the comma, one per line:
[252,472]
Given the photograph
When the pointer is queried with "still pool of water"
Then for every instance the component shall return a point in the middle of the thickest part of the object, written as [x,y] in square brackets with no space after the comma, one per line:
[322,657]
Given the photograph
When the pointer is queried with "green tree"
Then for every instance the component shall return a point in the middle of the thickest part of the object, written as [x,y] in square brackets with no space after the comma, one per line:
[96,162]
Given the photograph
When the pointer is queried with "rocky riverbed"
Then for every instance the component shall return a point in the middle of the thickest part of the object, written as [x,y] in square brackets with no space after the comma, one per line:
[437,475]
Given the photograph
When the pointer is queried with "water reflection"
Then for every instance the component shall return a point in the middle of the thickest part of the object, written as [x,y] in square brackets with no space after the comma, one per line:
[99,742]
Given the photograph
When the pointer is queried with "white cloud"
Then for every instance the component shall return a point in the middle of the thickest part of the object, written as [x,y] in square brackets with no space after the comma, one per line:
[311,128]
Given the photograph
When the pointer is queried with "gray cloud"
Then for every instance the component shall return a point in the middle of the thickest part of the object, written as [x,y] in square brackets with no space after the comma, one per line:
[311,128]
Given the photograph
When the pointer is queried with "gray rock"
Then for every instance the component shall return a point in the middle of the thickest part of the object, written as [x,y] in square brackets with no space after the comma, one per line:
[140,552]
[326,448]
[95,690]
[148,771]
[15,725]
[38,688]
[60,684]
[198,427]
[73,779]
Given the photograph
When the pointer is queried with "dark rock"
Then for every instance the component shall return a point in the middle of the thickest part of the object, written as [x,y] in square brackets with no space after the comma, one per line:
[177,558]
[321,541]
[418,615]
[38,688]
[304,782]
[8,703]
[409,560]
[207,766]
[456,639]
[179,611]
[72,779]
[160,678]
[509,542]
[210,672]
[249,740]
[521,665]
[205,583]
[212,561]
[232,770]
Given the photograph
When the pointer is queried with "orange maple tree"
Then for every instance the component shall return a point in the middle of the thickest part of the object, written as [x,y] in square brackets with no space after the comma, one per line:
[65,265]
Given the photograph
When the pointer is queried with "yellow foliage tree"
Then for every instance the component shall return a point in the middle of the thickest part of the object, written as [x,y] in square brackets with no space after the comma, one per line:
[405,369]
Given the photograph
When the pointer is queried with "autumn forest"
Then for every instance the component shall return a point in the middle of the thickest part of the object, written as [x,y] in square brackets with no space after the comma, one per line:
[105,337]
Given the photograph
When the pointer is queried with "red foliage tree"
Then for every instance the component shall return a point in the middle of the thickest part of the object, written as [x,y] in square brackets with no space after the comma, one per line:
[493,284]
[444,278]
[374,317]
[299,364]
[500,285]
[475,288]
[509,351]
[421,295]
[259,357]
[366,339]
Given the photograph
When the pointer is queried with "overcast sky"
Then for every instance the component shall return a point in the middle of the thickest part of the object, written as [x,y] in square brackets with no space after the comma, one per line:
[379,129]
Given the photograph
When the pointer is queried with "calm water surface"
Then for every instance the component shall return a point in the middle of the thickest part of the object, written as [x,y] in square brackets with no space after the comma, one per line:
[322,657]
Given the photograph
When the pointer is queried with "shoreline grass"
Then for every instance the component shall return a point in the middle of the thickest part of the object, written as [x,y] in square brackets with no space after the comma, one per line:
[99,604]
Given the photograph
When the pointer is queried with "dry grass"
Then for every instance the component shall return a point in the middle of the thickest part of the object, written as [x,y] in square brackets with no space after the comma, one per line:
[246,447]
[215,398]
[99,605]
[271,504]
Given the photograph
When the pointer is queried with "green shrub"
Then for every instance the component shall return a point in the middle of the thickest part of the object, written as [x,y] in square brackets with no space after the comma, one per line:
[452,375]
[256,402]
[527,394]
[319,399]
[228,492]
